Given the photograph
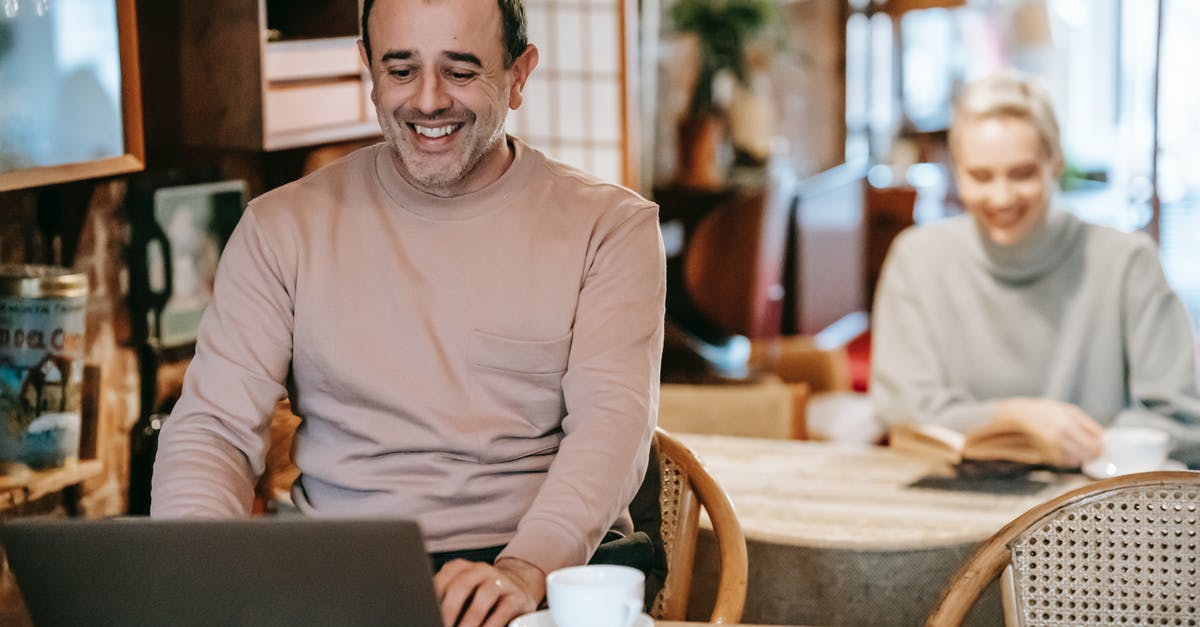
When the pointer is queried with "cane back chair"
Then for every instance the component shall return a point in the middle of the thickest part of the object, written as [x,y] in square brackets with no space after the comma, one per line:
[686,487]
[1123,551]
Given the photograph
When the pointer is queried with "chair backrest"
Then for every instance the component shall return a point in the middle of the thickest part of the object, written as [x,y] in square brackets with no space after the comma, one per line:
[686,487]
[1119,551]
[280,471]
[889,210]
[766,409]
[828,258]
[733,264]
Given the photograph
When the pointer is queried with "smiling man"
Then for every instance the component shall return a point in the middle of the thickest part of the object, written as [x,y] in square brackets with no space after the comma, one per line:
[471,330]
[443,93]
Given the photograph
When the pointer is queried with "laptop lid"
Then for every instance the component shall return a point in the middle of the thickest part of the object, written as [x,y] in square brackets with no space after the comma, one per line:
[261,572]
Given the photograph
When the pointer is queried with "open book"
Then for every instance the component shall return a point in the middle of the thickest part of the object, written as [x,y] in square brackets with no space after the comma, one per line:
[998,440]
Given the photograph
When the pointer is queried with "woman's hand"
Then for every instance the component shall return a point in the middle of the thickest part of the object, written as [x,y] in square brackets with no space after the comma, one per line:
[1070,431]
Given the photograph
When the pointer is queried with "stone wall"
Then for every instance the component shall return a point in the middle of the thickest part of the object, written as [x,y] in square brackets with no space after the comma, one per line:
[101,252]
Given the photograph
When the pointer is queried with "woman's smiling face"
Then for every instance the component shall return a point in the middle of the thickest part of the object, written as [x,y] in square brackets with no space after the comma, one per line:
[1005,179]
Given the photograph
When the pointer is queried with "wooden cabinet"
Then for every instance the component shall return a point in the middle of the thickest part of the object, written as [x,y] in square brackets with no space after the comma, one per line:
[255,74]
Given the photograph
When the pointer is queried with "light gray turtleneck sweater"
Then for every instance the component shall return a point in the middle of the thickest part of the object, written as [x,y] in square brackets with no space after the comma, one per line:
[1076,313]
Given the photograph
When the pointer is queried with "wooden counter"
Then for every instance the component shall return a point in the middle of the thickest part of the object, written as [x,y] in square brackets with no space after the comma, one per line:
[23,487]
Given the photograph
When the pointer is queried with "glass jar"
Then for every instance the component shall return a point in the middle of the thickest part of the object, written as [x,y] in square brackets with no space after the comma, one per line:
[41,365]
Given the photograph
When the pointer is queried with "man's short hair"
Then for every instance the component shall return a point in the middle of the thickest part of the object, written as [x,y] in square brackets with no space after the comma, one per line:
[512,29]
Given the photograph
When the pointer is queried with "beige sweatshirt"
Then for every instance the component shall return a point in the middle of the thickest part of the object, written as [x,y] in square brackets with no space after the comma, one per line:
[486,364]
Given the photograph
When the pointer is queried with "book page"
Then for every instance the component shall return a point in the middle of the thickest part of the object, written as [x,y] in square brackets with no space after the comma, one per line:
[1007,440]
[927,440]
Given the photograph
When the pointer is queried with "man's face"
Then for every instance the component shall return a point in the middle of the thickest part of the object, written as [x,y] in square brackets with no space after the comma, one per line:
[441,90]
[1004,178]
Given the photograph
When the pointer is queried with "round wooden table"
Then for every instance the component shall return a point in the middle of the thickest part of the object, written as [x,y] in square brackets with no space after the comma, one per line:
[837,536]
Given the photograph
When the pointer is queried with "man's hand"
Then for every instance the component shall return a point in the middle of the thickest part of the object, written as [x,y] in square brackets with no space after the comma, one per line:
[1074,434]
[495,594]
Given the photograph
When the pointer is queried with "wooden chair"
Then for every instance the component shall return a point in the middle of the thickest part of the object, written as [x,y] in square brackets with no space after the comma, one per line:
[733,264]
[821,360]
[765,409]
[686,487]
[280,472]
[889,210]
[1119,551]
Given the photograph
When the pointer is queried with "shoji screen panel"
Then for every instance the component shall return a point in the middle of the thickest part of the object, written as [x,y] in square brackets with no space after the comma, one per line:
[576,105]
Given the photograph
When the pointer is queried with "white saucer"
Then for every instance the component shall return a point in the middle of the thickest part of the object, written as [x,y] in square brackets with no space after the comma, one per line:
[1101,469]
[542,619]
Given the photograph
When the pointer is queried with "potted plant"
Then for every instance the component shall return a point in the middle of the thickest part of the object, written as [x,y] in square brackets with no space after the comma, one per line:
[723,29]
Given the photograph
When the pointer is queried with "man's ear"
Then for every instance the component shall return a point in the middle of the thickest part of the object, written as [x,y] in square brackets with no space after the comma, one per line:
[366,61]
[362,55]
[521,68]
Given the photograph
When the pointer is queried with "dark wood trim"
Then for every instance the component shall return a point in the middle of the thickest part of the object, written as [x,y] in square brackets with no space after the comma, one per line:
[627,28]
[131,88]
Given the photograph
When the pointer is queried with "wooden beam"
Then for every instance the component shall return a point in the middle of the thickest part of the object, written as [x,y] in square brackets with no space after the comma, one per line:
[899,7]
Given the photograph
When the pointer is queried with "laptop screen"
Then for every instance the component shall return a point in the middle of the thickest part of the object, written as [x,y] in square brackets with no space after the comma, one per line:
[261,572]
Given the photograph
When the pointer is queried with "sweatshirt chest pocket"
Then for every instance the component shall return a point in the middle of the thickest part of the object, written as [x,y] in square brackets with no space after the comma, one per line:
[520,381]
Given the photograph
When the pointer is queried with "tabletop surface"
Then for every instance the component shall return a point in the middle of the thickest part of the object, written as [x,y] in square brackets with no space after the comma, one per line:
[854,496]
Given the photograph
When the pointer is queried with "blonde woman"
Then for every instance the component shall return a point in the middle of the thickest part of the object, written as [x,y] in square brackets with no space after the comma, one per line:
[1019,311]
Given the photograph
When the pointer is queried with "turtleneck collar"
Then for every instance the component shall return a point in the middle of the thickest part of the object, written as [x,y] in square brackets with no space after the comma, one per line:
[485,200]
[1041,251]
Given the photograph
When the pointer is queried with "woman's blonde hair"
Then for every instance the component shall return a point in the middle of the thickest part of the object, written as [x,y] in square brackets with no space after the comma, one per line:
[1009,94]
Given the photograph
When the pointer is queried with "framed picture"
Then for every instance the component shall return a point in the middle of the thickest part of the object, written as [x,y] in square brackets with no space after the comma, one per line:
[71,104]
[193,222]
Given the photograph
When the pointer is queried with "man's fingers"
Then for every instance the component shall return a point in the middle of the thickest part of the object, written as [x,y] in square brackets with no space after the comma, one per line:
[480,595]
[484,597]
[477,594]
[448,571]
[458,588]
[510,607]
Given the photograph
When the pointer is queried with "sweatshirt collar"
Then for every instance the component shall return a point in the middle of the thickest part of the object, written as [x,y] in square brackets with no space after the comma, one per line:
[494,196]
[1041,251]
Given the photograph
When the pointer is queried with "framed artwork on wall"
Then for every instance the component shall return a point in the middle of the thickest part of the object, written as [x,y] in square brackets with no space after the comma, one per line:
[71,105]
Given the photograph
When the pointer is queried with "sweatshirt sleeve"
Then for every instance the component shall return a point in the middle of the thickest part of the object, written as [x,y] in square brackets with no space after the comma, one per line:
[908,381]
[1160,354]
[213,446]
[611,394]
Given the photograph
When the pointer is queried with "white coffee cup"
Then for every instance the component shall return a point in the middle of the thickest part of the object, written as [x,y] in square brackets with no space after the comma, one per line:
[595,596]
[1134,449]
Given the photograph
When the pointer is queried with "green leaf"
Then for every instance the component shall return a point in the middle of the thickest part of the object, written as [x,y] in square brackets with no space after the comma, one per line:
[723,28]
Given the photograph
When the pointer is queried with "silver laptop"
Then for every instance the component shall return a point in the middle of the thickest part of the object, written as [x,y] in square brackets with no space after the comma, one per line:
[262,572]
